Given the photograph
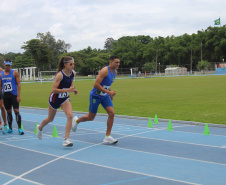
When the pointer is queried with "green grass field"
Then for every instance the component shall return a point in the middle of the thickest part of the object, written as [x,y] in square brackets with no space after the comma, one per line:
[189,98]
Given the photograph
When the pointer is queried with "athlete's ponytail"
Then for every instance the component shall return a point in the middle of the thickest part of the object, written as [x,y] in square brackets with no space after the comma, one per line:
[62,61]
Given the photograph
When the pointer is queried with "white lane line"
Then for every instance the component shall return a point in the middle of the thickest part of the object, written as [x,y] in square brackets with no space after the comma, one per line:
[20,178]
[64,156]
[94,144]
[150,130]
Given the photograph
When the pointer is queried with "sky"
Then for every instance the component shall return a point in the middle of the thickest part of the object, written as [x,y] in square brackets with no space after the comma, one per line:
[84,23]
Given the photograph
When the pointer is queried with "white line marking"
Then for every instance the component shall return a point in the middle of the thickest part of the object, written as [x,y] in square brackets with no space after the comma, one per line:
[150,129]
[20,178]
[64,156]
[133,135]
[163,127]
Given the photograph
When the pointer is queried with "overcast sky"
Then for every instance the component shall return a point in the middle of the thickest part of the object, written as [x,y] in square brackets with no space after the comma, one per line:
[84,23]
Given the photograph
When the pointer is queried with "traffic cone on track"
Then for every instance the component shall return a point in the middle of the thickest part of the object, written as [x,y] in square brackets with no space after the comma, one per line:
[156,119]
[170,127]
[35,132]
[206,131]
[55,134]
[150,123]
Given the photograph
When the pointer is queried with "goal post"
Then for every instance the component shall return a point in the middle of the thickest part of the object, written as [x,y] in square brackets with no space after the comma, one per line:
[47,75]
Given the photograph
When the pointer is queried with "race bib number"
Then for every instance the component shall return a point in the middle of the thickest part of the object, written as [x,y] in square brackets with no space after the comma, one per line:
[63,95]
[105,87]
[8,87]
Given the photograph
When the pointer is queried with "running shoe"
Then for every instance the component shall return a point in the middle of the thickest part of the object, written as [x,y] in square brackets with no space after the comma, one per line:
[67,142]
[6,127]
[39,132]
[21,132]
[74,124]
[1,125]
[9,131]
[110,140]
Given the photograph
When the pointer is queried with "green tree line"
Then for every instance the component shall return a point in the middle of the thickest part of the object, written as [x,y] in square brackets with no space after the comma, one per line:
[195,52]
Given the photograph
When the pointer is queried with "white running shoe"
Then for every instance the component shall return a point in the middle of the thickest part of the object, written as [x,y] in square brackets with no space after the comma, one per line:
[74,124]
[6,127]
[110,140]
[67,142]
[39,132]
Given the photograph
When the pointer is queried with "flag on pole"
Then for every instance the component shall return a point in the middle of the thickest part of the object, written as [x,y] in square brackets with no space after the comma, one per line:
[217,22]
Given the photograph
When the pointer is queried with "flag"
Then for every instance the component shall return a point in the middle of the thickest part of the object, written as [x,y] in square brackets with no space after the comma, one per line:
[217,22]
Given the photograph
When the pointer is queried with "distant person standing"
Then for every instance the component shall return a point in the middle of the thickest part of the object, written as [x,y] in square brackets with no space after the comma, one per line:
[3,111]
[59,97]
[102,94]
[10,85]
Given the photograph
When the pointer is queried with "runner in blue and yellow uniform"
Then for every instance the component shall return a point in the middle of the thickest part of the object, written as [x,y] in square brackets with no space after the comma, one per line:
[10,85]
[102,94]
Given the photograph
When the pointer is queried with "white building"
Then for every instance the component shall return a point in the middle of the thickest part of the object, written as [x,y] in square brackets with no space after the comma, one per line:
[27,73]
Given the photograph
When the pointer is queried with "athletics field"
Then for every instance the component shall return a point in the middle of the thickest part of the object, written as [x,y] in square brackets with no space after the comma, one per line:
[188,98]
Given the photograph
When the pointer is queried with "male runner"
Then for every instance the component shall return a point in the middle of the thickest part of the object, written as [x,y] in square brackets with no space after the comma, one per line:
[102,94]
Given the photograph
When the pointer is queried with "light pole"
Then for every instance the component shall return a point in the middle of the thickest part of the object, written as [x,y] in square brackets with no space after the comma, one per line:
[159,67]
[191,63]
[156,62]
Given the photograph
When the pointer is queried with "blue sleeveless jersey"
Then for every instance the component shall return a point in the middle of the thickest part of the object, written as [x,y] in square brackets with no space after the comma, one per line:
[66,80]
[9,83]
[65,83]
[106,83]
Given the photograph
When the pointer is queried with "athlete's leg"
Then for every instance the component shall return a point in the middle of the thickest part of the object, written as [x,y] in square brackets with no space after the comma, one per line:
[15,105]
[93,106]
[9,118]
[67,108]
[18,120]
[88,117]
[8,106]
[18,117]
[110,121]
[3,111]
[108,106]
[50,118]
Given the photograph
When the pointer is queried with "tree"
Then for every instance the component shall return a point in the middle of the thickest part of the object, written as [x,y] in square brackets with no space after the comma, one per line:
[108,45]
[23,61]
[149,66]
[37,50]
[203,65]
[154,51]
[58,46]
[89,61]
[55,48]
[130,51]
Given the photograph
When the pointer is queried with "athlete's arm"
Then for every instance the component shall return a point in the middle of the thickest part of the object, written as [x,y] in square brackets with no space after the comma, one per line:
[72,84]
[116,73]
[56,84]
[17,77]
[0,83]
[102,74]
[1,69]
